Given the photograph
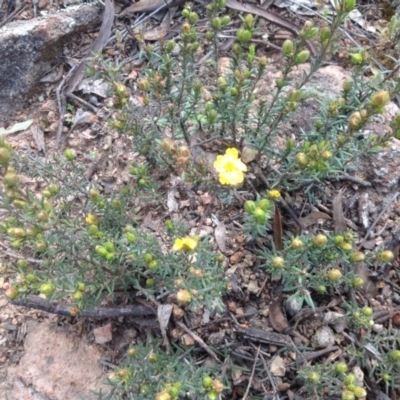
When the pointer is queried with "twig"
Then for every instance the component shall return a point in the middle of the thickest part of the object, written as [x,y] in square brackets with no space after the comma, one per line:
[53,307]
[392,200]
[276,395]
[13,14]
[18,256]
[198,339]
[252,375]
[346,177]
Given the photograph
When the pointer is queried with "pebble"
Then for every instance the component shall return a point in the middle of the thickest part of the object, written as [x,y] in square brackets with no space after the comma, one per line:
[323,337]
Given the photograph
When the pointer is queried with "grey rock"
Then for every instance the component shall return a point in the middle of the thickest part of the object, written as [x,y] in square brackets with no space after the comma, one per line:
[28,50]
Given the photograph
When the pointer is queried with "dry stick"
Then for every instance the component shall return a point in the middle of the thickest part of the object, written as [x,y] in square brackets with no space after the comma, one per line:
[198,339]
[276,395]
[392,200]
[252,375]
[18,256]
[195,337]
[36,302]
[346,177]
[13,14]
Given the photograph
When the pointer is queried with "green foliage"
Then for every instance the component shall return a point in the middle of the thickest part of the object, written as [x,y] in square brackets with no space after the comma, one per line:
[81,246]
[161,374]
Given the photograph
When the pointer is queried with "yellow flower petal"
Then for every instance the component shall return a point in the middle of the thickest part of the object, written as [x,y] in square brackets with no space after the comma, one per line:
[232,152]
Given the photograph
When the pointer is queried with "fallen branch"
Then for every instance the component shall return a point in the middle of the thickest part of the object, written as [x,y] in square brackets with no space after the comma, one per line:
[53,307]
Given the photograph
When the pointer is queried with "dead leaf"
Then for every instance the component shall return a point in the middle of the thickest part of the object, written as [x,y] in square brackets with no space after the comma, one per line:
[370,287]
[102,38]
[338,215]
[220,236]
[161,31]
[278,229]
[271,17]
[276,317]
[145,5]
[18,127]
[38,137]
[172,204]
[164,312]
[313,218]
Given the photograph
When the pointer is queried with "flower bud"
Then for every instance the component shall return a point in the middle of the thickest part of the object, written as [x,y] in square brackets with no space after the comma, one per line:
[347,247]
[302,159]
[278,262]
[250,206]
[347,86]
[46,288]
[341,368]
[144,85]
[5,156]
[334,275]
[69,154]
[367,311]
[348,6]
[320,240]
[357,282]
[207,382]
[163,396]
[260,216]
[185,13]
[358,256]
[288,48]
[280,83]
[262,61]
[325,34]
[94,194]
[264,204]
[355,121]
[12,292]
[11,179]
[296,243]
[225,20]
[243,35]
[218,386]
[170,46]
[183,296]
[77,296]
[395,356]
[379,100]
[193,17]
[302,57]
[313,377]
[386,256]
[357,58]
[169,146]
[185,28]
[348,395]
[248,20]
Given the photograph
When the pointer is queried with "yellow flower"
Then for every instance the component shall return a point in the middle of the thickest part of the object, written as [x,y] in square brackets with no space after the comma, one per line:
[274,194]
[92,219]
[187,243]
[230,167]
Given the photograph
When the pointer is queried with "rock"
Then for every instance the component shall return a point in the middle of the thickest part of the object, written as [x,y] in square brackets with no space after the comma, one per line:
[323,337]
[336,320]
[28,49]
[55,365]
[278,367]
[103,334]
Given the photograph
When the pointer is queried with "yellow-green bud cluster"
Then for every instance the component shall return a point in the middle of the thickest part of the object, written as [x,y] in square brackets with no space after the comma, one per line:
[259,210]
[314,156]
